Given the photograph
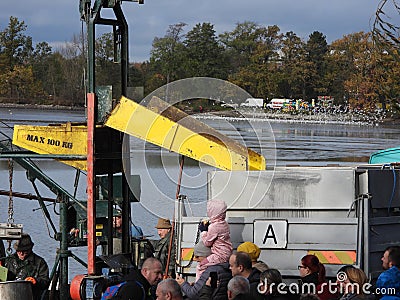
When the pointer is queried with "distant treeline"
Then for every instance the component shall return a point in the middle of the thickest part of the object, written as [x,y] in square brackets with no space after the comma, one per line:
[264,61]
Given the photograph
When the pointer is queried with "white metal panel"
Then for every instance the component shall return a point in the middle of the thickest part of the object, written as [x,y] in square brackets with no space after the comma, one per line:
[285,188]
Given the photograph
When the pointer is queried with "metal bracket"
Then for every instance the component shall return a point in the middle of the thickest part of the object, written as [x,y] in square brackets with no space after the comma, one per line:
[10,231]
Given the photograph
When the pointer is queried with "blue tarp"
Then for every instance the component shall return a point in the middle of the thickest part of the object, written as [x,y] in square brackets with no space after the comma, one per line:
[385,156]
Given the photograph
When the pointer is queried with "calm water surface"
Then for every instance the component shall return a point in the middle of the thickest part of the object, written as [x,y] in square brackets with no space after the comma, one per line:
[282,143]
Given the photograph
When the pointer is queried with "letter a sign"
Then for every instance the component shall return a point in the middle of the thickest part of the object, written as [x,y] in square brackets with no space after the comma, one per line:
[270,233]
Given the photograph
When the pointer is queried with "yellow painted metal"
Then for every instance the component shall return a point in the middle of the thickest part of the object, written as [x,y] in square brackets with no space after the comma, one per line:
[139,121]
[163,125]
[64,139]
[255,161]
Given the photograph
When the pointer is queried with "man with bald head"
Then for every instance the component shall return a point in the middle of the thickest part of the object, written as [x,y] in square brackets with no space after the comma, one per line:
[139,282]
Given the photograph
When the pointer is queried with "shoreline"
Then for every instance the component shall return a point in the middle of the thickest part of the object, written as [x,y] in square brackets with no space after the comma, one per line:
[308,118]
[261,115]
[41,106]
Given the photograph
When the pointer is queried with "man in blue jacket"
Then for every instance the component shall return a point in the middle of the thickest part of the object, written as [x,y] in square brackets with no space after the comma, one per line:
[388,284]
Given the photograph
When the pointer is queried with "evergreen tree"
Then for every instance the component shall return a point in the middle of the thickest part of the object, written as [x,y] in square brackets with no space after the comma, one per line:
[316,49]
[205,56]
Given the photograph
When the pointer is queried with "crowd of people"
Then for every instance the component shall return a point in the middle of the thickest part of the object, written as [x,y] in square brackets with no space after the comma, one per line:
[226,273]
[240,279]
[222,272]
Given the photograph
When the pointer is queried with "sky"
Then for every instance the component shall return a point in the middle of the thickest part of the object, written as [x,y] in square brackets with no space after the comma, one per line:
[56,21]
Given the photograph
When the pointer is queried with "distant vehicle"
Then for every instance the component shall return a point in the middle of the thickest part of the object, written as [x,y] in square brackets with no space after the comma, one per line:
[278,103]
[232,105]
[253,102]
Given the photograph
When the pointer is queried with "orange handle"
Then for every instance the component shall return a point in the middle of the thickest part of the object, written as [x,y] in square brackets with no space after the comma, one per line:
[31,279]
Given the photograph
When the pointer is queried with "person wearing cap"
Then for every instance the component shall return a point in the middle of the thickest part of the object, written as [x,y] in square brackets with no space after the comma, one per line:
[161,246]
[136,231]
[117,223]
[202,289]
[24,264]
[254,252]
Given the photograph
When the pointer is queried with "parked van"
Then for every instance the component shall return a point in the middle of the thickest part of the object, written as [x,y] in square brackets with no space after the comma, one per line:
[278,103]
[253,102]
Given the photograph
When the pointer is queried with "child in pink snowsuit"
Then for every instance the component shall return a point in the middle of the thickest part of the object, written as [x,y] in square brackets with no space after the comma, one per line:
[217,236]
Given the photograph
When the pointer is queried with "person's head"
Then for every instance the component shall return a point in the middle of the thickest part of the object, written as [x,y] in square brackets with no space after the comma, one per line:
[238,285]
[240,263]
[117,219]
[201,251]
[310,264]
[152,270]
[270,276]
[163,227]
[342,277]
[169,289]
[216,209]
[24,246]
[353,282]
[251,249]
[391,257]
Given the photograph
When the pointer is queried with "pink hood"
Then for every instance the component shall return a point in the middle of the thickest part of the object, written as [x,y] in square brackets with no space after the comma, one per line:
[216,210]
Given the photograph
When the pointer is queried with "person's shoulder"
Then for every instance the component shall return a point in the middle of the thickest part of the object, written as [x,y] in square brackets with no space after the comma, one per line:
[386,275]
[261,266]
[255,274]
[224,267]
[389,278]
[36,258]
[11,258]
[131,287]
[221,269]
[244,297]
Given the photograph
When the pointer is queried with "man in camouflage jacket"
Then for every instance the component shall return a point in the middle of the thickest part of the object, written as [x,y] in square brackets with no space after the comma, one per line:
[161,246]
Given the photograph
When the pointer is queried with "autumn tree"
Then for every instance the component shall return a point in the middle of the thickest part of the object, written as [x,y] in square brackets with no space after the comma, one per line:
[16,79]
[168,55]
[255,58]
[350,60]
[73,62]
[240,43]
